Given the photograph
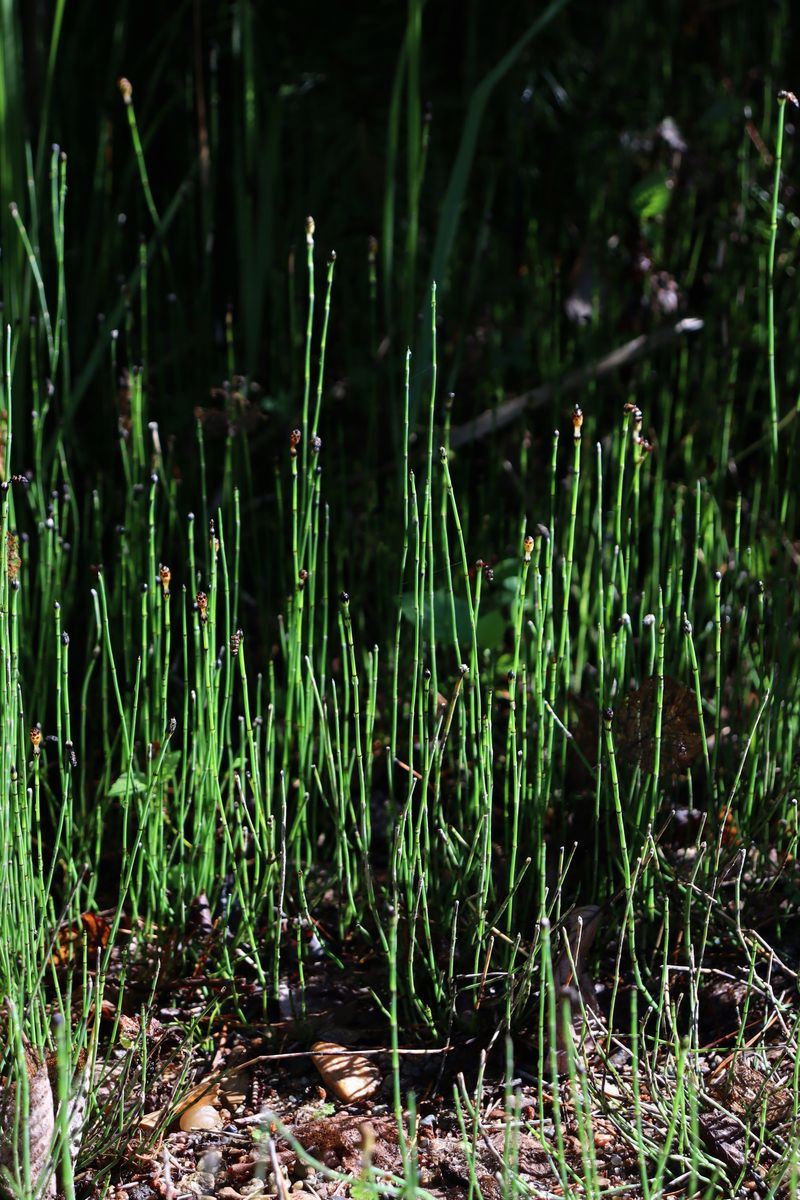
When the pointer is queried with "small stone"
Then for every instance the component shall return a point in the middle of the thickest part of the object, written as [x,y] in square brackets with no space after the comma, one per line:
[197,1182]
[242,1169]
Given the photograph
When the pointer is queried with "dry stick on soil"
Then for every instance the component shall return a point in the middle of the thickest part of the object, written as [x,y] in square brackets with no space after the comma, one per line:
[280,1182]
[496,418]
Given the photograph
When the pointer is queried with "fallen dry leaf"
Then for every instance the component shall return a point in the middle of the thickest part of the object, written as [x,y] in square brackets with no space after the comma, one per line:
[77,1100]
[725,1138]
[748,1089]
[95,928]
[38,1128]
[349,1075]
[635,720]
[634,727]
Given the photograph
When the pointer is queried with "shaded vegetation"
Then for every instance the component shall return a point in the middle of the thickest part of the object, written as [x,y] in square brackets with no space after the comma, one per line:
[342,702]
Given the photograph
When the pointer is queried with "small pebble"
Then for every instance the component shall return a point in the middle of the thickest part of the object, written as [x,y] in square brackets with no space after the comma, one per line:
[243,1168]
[197,1182]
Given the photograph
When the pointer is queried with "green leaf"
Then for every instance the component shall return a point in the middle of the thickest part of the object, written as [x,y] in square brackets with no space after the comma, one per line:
[125,785]
[137,786]
[651,196]
[491,621]
[491,629]
[443,615]
[170,765]
[503,665]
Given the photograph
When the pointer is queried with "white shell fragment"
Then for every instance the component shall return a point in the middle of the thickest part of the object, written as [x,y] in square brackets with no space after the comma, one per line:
[349,1075]
[202,1115]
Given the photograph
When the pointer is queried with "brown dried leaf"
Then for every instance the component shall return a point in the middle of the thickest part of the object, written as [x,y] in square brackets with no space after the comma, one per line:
[725,1139]
[38,1128]
[338,1141]
[96,930]
[634,727]
[748,1089]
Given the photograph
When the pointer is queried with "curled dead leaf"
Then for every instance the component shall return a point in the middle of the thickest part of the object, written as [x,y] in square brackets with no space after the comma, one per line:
[94,928]
[38,1128]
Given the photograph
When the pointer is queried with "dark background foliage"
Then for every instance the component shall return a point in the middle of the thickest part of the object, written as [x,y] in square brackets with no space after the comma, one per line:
[623,157]
[294,103]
